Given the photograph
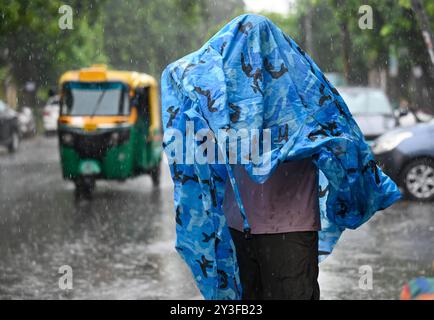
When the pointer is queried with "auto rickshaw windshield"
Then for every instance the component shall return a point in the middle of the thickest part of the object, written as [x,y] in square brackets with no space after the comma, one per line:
[96,98]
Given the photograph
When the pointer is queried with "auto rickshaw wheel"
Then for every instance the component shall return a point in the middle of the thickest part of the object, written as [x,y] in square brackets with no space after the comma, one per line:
[84,187]
[155,175]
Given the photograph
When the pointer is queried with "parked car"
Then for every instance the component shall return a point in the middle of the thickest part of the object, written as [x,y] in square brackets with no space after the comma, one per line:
[26,122]
[371,110]
[51,114]
[411,117]
[9,131]
[407,156]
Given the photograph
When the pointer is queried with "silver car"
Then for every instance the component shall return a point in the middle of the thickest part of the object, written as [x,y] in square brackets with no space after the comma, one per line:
[371,109]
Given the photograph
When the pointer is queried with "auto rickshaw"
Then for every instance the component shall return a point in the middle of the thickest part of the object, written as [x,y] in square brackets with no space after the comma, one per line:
[109,127]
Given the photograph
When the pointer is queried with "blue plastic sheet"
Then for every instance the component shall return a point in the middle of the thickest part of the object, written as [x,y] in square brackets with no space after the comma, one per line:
[252,76]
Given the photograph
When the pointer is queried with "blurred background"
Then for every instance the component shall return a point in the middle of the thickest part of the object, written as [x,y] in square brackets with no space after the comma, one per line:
[120,242]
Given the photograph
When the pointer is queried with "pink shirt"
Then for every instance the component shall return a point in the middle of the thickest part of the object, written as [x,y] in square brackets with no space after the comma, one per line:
[286,202]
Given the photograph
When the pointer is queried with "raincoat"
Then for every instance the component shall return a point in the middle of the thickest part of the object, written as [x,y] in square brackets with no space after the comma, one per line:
[252,76]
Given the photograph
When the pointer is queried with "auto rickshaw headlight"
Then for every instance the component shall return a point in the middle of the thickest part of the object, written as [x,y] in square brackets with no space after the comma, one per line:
[119,137]
[67,139]
[114,138]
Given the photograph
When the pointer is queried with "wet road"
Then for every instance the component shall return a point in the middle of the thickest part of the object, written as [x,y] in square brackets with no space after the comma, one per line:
[120,245]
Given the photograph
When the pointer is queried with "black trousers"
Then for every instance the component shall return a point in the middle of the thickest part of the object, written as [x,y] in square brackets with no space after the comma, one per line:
[278,266]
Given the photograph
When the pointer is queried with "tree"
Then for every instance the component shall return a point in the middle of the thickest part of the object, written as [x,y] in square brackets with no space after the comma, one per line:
[425,28]
[36,50]
[337,43]
[146,36]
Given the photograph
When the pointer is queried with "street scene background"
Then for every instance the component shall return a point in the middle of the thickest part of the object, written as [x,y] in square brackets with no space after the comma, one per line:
[120,243]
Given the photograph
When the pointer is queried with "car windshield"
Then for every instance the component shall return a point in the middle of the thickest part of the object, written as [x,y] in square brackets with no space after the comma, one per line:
[2,106]
[101,99]
[366,102]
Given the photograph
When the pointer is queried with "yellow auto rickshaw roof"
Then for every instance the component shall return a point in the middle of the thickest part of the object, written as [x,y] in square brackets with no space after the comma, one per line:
[100,73]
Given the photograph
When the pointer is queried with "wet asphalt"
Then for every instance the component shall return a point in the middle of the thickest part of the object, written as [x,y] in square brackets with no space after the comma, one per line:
[120,245]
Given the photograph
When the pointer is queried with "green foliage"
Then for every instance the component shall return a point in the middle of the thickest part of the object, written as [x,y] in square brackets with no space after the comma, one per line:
[129,34]
[143,36]
[147,35]
[395,26]
[36,49]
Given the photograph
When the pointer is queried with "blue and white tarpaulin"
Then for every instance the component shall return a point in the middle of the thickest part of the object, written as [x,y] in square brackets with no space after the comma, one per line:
[252,76]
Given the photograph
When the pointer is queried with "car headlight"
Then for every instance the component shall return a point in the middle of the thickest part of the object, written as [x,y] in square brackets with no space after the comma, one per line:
[390,141]
[67,139]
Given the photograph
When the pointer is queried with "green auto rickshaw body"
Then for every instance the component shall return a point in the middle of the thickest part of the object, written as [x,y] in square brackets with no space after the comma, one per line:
[109,125]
